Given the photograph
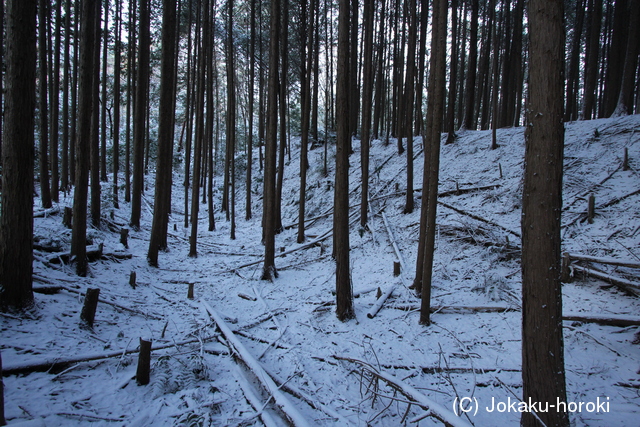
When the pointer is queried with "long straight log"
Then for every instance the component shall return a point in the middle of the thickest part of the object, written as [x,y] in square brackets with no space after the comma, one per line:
[610,261]
[57,363]
[290,411]
[478,218]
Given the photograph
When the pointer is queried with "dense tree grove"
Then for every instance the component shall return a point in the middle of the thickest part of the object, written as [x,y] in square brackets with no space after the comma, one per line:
[130,91]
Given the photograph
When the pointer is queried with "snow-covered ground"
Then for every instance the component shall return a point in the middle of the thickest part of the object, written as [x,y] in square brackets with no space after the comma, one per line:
[289,325]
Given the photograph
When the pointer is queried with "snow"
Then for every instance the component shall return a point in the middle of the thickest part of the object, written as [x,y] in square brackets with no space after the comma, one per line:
[289,325]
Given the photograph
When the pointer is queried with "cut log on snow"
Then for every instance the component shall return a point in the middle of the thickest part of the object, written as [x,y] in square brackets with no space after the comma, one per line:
[608,320]
[624,284]
[47,212]
[290,411]
[460,309]
[609,261]
[435,409]
[57,364]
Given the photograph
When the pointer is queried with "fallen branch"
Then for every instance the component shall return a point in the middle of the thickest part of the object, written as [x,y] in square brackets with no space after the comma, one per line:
[55,289]
[57,363]
[477,218]
[459,309]
[624,284]
[290,411]
[435,409]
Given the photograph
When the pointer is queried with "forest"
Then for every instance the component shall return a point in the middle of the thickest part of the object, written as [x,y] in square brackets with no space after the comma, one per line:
[336,212]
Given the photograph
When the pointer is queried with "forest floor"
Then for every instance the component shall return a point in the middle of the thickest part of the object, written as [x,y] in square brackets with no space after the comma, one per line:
[289,325]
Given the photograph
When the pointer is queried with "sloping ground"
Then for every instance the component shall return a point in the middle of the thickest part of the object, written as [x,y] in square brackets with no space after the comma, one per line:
[462,354]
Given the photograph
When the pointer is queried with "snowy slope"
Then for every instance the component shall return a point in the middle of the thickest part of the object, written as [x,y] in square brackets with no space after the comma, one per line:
[290,327]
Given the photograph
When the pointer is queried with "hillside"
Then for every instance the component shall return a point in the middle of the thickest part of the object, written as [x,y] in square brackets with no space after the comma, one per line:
[290,327]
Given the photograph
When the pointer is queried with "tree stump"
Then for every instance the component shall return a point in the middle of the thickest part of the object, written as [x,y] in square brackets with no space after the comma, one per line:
[67,217]
[396,268]
[144,362]
[566,271]
[124,234]
[88,313]
[500,168]
[591,210]
[132,279]
[625,160]
[190,291]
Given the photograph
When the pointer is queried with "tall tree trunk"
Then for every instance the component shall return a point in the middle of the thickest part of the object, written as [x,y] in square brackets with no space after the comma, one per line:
[103,114]
[543,376]
[616,57]
[435,110]
[252,74]
[354,97]
[64,161]
[116,101]
[188,112]
[344,292]
[453,74]
[16,221]
[424,20]
[131,93]
[139,115]
[306,112]
[592,57]
[74,93]
[166,117]
[95,127]
[408,99]
[269,271]
[199,135]
[367,88]
[55,106]
[573,72]
[625,98]
[231,112]
[284,60]
[85,112]
[43,107]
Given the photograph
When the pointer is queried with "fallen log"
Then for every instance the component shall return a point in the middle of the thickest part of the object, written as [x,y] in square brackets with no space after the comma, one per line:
[290,411]
[46,212]
[435,409]
[624,284]
[56,364]
[608,320]
[609,261]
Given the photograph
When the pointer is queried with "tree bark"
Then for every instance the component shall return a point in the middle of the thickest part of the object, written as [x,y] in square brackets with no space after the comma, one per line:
[344,292]
[592,50]
[435,110]
[139,115]
[16,221]
[542,342]
[43,107]
[269,271]
[166,118]
[367,88]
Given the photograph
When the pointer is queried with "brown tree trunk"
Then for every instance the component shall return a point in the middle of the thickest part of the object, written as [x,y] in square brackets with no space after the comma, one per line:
[103,104]
[166,117]
[573,72]
[616,57]
[64,160]
[344,292]
[470,91]
[592,49]
[284,61]
[55,106]
[16,221]
[625,98]
[43,107]
[94,151]
[139,114]
[231,112]
[85,112]
[435,110]
[408,99]
[543,376]
[367,88]
[116,101]
[269,271]
[252,74]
